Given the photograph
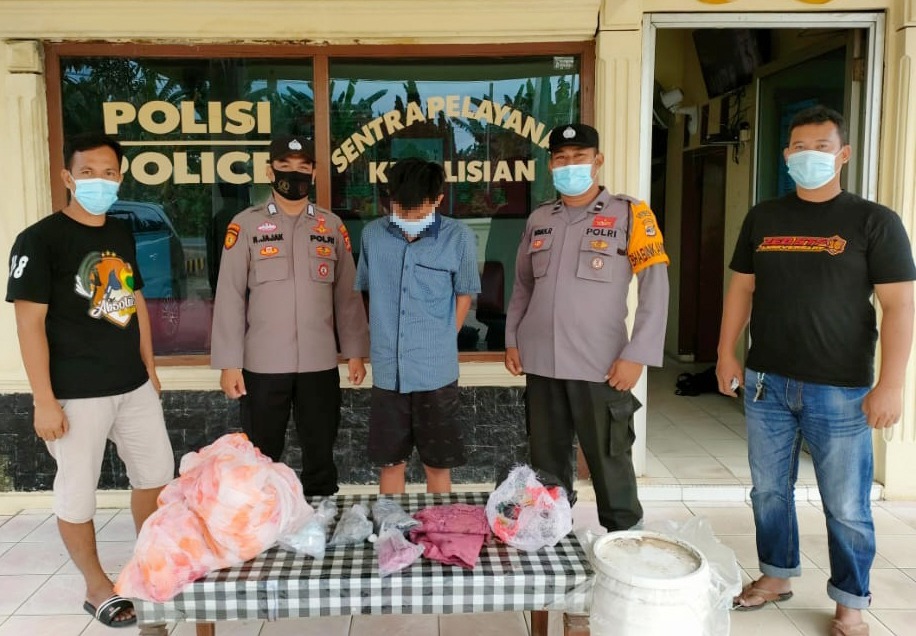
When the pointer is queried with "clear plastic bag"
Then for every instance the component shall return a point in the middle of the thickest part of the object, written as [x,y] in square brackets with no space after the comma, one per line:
[395,552]
[354,527]
[387,513]
[311,539]
[527,515]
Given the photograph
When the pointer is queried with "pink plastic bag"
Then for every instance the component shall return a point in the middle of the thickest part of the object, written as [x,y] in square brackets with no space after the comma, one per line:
[229,504]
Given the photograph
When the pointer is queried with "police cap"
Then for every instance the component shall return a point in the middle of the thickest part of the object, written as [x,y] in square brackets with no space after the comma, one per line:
[286,145]
[581,135]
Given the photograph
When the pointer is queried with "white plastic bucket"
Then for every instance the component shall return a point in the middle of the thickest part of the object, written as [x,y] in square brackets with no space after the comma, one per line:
[648,584]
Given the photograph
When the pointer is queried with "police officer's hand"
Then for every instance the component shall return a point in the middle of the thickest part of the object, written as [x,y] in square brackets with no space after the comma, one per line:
[513,361]
[50,421]
[356,371]
[232,383]
[624,374]
[728,369]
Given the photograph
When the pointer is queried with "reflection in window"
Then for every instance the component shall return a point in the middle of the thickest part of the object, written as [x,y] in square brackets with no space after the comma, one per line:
[195,134]
[485,120]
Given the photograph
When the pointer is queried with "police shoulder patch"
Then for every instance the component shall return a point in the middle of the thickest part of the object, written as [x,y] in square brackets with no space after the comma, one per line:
[232,236]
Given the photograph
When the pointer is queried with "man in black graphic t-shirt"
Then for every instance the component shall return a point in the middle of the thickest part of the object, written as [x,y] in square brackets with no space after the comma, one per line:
[805,268]
[85,338]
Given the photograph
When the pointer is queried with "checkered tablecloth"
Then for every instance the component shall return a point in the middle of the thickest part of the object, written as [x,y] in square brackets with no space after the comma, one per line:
[281,584]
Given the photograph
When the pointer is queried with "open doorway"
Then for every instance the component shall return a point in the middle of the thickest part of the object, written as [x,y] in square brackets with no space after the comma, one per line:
[720,90]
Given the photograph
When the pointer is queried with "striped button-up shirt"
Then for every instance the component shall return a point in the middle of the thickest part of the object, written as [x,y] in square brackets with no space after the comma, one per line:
[412,287]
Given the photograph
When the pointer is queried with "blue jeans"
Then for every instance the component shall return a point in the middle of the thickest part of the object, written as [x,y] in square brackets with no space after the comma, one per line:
[831,421]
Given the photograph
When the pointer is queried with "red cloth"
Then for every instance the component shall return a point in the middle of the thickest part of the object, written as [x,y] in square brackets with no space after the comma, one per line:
[452,534]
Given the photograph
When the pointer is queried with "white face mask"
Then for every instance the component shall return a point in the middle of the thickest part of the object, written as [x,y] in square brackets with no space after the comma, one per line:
[812,169]
[414,227]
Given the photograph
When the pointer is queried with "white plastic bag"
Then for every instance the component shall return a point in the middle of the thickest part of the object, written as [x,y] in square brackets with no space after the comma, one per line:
[311,539]
[387,513]
[527,515]
[354,527]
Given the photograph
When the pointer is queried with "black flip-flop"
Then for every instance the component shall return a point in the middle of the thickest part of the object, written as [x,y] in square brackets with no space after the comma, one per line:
[110,609]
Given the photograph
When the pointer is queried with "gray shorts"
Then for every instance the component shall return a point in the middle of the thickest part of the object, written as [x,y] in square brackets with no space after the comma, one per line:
[134,422]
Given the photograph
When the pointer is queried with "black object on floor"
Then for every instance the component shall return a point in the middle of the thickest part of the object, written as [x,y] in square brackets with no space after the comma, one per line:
[697,383]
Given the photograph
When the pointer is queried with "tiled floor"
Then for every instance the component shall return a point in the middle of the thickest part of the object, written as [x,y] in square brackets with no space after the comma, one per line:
[697,465]
[701,440]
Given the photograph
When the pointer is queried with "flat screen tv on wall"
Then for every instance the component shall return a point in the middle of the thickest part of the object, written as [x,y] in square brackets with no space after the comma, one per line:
[729,57]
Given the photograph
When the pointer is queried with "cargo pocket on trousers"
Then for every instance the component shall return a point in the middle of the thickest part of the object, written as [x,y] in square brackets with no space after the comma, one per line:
[622,433]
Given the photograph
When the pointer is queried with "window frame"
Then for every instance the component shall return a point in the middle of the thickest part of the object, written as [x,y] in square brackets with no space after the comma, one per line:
[320,57]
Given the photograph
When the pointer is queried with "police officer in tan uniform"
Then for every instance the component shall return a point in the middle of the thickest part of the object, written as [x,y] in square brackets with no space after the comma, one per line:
[285,284]
[565,328]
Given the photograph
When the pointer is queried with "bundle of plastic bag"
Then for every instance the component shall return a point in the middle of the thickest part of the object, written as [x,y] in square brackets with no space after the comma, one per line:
[246,500]
[172,551]
[393,549]
[354,527]
[387,513]
[312,539]
[526,514]
[395,552]
[229,504]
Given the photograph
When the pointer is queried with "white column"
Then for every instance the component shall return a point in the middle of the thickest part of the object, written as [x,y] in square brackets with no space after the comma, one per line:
[24,167]
[617,118]
[896,449]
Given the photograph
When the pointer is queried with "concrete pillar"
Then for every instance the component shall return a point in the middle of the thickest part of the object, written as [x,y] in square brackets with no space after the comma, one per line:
[24,171]
[617,116]
[895,449]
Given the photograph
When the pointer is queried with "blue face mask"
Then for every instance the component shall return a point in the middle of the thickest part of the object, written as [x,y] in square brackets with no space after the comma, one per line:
[96,196]
[573,180]
[413,227]
[811,169]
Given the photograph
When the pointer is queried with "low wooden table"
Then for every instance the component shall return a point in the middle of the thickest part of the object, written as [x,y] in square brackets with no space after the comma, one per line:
[279,584]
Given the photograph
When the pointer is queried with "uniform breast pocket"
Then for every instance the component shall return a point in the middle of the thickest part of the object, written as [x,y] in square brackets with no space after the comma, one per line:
[323,269]
[539,250]
[431,284]
[596,258]
[271,269]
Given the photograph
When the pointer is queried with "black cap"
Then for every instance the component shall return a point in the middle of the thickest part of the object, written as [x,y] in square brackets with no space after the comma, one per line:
[287,145]
[581,135]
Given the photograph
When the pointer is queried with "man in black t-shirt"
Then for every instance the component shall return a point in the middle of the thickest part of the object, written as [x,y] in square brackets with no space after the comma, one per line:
[84,334]
[805,268]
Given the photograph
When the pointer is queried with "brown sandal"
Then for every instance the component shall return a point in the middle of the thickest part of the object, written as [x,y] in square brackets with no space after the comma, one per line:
[842,629]
[753,598]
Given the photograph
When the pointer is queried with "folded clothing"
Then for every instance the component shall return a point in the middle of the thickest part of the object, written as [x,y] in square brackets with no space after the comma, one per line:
[452,534]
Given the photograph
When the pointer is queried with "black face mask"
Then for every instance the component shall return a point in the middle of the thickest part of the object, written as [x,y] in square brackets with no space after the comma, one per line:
[292,185]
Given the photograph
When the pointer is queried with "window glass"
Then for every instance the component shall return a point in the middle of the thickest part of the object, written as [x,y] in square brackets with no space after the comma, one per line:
[485,120]
[195,134]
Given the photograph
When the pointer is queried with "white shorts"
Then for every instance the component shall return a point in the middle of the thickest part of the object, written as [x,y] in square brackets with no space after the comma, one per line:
[134,422]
